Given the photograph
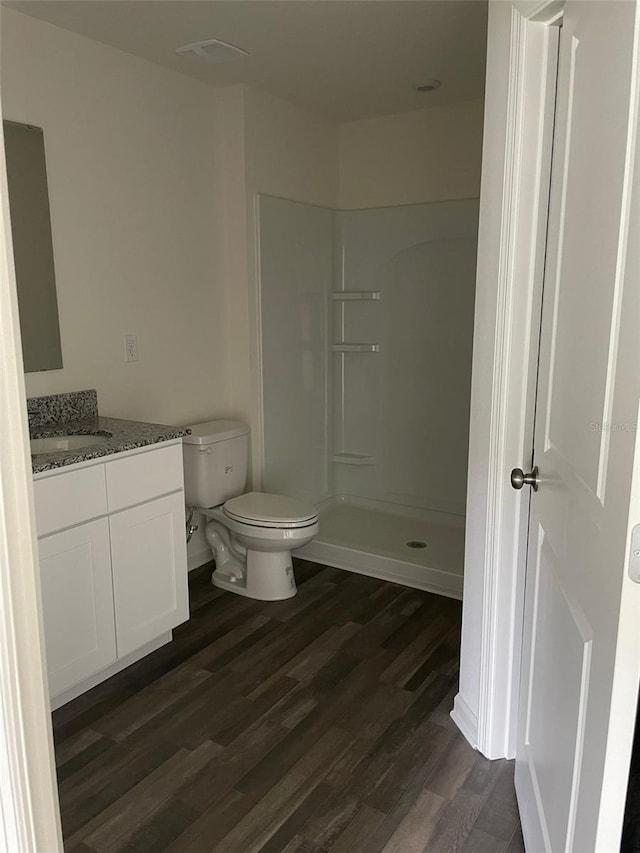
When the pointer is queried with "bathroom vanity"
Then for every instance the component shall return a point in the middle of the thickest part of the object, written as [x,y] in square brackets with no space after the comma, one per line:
[111,541]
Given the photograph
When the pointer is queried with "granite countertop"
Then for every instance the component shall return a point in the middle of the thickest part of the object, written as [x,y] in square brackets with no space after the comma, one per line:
[122,435]
[51,416]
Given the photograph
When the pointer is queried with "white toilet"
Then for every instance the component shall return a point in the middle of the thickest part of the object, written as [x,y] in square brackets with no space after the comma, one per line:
[251,535]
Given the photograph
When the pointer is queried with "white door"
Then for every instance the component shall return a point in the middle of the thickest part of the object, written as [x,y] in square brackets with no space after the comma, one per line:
[77,603]
[149,571]
[585,449]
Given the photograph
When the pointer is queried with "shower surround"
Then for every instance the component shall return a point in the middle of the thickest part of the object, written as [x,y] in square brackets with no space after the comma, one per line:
[367,324]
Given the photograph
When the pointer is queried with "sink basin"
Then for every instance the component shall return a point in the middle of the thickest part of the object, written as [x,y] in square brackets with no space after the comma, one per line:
[58,443]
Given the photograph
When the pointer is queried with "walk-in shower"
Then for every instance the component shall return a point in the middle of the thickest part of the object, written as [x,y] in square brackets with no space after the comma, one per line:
[366,325]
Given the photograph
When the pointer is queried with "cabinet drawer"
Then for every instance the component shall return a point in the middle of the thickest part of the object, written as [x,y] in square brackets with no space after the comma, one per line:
[144,476]
[69,498]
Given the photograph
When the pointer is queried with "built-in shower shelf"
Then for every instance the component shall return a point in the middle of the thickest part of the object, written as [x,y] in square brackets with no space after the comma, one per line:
[355,295]
[353,459]
[343,346]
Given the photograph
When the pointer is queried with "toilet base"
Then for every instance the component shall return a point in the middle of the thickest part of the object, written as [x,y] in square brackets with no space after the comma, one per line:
[268,577]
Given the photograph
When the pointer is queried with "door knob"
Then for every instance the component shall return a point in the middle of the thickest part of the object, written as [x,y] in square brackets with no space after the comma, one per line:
[520,479]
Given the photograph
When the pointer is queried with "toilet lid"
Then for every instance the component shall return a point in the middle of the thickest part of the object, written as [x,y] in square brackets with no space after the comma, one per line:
[266,510]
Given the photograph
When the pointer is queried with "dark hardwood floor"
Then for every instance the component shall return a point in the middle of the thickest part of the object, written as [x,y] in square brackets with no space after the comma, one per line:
[320,723]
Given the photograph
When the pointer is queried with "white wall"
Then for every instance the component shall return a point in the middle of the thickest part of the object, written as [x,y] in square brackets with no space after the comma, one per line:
[141,223]
[134,193]
[231,164]
[290,152]
[425,155]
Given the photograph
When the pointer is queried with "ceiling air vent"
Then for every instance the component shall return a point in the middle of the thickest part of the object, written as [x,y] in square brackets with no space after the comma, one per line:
[212,50]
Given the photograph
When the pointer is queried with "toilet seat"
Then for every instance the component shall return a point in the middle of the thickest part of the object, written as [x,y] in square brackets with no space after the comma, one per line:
[262,509]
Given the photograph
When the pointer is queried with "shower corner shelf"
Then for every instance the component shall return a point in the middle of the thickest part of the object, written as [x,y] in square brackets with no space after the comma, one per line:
[343,346]
[356,295]
[353,459]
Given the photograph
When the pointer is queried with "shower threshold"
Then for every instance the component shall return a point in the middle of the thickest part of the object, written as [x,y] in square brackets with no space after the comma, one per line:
[413,547]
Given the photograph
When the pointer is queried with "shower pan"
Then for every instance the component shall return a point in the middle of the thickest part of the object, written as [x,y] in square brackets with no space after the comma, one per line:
[366,328]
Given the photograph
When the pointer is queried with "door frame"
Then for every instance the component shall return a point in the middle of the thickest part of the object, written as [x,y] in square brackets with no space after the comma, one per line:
[516,162]
[29,814]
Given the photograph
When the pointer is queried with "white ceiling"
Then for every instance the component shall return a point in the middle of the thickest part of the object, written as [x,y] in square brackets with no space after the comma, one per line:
[345,59]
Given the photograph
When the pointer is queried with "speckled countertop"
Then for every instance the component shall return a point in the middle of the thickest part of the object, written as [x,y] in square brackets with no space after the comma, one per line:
[78,415]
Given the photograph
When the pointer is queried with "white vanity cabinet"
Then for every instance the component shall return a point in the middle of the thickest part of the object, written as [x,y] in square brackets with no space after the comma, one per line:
[149,571]
[77,599]
[113,562]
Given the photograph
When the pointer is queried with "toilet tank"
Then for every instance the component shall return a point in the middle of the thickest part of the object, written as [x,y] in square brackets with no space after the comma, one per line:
[215,462]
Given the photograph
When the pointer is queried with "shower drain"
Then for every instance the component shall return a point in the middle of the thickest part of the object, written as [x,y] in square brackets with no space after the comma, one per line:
[416,543]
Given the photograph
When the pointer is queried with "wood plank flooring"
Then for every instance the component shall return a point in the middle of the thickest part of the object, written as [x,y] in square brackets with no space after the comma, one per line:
[316,724]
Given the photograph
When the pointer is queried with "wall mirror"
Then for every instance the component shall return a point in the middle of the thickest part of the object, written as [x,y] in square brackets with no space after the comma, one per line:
[32,246]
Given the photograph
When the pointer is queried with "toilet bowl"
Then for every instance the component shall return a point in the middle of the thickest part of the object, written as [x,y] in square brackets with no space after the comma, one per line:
[252,547]
[251,535]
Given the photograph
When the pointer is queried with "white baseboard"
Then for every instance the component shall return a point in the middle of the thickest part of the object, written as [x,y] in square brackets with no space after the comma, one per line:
[465,720]
[199,558]
[385,568]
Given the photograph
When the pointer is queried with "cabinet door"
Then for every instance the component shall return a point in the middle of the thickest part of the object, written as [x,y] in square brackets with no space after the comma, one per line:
[77,603]
[149,560]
